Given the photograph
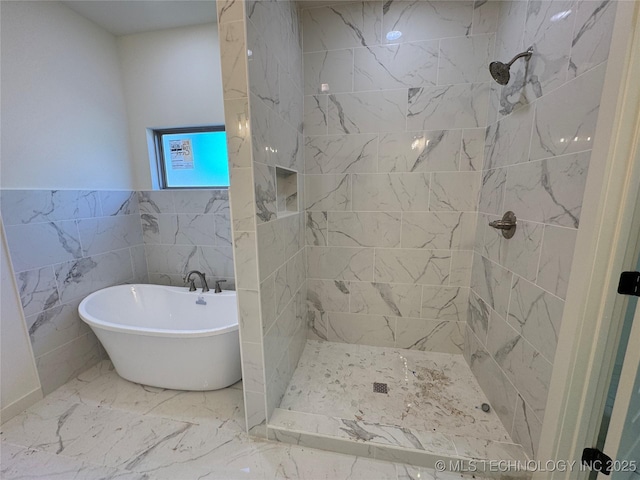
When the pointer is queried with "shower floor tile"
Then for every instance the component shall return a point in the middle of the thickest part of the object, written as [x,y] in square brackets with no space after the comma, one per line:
[427,392]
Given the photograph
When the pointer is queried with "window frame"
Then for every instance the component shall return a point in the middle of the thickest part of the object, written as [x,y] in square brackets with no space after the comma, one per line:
[160,161]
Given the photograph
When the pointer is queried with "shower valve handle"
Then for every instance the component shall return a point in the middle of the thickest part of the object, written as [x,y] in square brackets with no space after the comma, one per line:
[507,224]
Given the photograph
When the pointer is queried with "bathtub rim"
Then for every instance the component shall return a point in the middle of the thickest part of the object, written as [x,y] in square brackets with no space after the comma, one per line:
[94,322]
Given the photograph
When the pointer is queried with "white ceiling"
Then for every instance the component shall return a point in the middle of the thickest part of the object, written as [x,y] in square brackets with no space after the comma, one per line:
[124,17]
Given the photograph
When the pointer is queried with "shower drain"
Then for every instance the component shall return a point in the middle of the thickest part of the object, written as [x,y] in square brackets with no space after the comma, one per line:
[380,387]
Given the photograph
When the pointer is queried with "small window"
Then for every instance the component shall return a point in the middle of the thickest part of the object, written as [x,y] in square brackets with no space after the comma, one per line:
[193,157]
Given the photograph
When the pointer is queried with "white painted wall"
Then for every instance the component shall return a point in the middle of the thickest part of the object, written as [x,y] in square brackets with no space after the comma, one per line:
[171,78]
[64,121]
[19,383]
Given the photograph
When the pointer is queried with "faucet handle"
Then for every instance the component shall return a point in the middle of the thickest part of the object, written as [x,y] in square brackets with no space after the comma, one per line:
[218,289]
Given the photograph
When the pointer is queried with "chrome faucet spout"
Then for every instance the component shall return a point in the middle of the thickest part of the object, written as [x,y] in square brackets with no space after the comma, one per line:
[203,280]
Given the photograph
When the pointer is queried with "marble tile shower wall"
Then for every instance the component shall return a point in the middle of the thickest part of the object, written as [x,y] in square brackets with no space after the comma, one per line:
[396,102]
[537,153]
[263,109]
[65,245]
[187,230]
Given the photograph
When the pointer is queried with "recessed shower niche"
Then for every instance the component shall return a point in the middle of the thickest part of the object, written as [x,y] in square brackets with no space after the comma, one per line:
[286,191]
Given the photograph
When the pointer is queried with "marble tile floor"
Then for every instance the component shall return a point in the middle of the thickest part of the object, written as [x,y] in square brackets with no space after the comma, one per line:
[432,408]
[99,426]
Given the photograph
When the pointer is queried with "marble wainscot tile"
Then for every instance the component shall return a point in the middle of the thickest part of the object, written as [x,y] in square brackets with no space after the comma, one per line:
[103,234]
[478,317]
[327,192]
[537,315]
[445,303]
[55,327]
[549,191]
[398,300]
[395,66]
[217,262]
[36,206]
[565,119]
[428,20]
[472,149]
[38,290]
[80,277]
[437,150]
[139,262]
[485,16]
[242,192]
[527,369]
[500,391]
[150,224]
[270,248]
[328,295]
[229,11]
[526,428]
[465,59]
[341,154]
[591,35]
[35,245]
[333,68]
[233,59]
[154,202]
[438,230]
[555,259]
[376,330]
[424,267]
[223,230]
[492,283]
[364,229]
[507,140]
[448,107]
[173,259]
[340,263]
[118,202]
[236,114]
[391,192]
[455,191]
[548,29]
[492,191]
[316,114]
[316,228]
[368,112]
[521,255]
[262,64]
[341,26]
[430,335]
[265,192]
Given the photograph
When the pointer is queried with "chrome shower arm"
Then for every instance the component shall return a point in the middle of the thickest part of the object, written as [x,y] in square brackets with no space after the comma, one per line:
[527,54]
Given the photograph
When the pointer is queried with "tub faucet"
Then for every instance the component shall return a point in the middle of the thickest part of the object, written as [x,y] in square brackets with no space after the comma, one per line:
[192,283]
[218,289]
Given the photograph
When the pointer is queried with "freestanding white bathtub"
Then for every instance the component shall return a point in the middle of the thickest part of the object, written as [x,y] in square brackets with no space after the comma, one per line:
[166,337]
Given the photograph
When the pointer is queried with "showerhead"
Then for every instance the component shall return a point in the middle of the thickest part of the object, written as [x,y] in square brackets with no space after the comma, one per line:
[500,71]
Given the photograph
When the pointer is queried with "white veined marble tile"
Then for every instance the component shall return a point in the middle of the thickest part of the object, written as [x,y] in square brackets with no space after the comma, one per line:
[263,68]
[229,11]
[265,192]
[332,68]
[549,191]
[364,229]
[529,371]
[340,263]
[103,234]
[461,268]
[290,108]
[424,267]
[118,202]
[242,193]
[155,202]
[37,289]
[327,192]
[270,248]
[55,327]
[376,330]
[223,230]
[419,20]
[448,107]
[328,295]
[457,191]
[367,112]
[246,265]
[437,150]
[492,283]
[472,149]
[565,119]
[438,230]
[316,228]
[316,114]
[492,191]
[253,367]
[465,59]
[485,16]
[591,35]
[255,410]
[214,201]
[526,428]
[341,26]
[267,302]
[172,259]
[150,223]
[20,207]
[537,315]
[232,59]
[555,259]
[217,262]
[334,154]
[507,141]
[139,261]
[400,300]
[237,127]
[445,303]
[391,192]
[478,317]
[385,67]
[430,335]
[186,229]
